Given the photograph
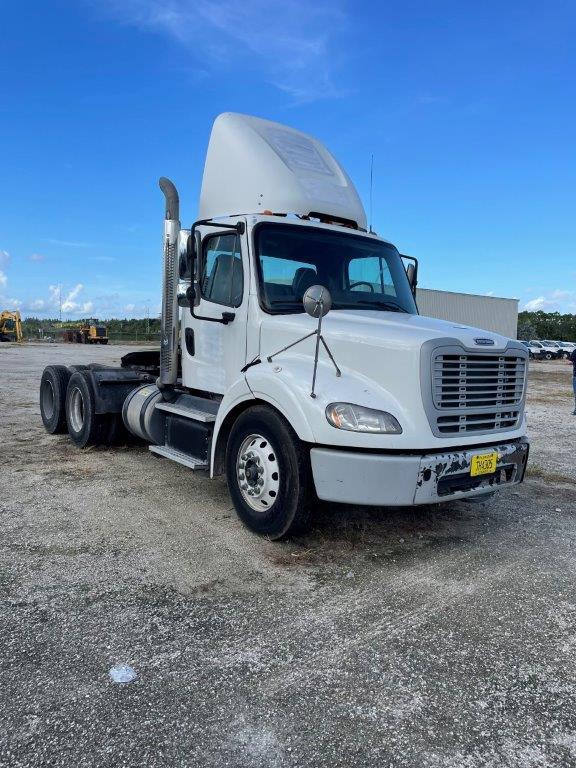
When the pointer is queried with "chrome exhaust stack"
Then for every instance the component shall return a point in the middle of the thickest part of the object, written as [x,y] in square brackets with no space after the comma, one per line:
[170,315]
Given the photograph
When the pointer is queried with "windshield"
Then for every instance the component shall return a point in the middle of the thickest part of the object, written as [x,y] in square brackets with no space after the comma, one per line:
[359,272]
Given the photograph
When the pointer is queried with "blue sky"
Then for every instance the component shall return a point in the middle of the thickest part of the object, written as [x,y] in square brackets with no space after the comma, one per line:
[468,108]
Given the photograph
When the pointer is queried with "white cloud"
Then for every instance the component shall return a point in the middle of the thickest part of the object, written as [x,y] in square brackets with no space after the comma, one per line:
[3,279]
[37,257]
[558,300]
[535,304]
[73,294]
[54,291]
[290,44]
[70,304]
[8,303]
[75,304]
[4,259]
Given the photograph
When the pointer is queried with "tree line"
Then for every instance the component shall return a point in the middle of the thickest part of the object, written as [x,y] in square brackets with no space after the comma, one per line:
[546,325]
[127,328]
[531,325]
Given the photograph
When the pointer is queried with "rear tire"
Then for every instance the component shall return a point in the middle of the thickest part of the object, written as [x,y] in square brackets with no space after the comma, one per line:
[268,472]
[85,426]
[53,386]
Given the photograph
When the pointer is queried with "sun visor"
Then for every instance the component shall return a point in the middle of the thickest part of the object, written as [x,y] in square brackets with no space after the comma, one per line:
[254,165]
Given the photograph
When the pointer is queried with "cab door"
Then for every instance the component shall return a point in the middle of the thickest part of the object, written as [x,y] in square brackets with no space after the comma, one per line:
[214,329]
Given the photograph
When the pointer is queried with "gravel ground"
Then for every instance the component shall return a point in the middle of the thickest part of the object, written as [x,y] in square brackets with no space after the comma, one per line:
[430,637]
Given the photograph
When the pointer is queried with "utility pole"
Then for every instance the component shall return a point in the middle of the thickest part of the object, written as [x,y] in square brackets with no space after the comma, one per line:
[60,300]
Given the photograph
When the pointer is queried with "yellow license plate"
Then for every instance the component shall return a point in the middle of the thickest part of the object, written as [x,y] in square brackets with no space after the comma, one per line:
[483,464]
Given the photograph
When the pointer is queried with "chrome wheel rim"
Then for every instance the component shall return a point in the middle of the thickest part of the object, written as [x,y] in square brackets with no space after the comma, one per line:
[257,472]
[76,414]
[48,398]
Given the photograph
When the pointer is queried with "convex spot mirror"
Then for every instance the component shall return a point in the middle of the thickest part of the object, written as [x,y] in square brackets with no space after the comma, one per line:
[317,301]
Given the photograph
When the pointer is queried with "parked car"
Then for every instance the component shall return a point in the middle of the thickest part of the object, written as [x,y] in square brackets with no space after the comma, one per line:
[535,352]
[566,348]
[550,350]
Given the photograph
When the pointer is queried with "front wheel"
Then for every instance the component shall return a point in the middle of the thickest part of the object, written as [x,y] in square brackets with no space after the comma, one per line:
[268,472]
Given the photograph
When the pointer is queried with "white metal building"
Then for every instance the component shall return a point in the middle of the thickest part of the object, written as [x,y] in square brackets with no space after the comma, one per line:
[489,312]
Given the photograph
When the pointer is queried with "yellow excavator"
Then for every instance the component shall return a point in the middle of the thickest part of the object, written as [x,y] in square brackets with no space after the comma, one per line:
[10,326]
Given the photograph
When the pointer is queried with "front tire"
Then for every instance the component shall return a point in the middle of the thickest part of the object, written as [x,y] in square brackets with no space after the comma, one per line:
[268,472]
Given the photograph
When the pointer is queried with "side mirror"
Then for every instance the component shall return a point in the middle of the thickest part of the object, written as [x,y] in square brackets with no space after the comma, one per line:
[196,248]
[412,273]
[317,301]
[186,255]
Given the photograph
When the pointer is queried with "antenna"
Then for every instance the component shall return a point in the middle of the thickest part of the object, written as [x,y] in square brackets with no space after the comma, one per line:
[371,185]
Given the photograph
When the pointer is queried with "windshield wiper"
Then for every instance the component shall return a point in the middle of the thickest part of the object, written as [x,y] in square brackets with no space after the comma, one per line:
[381,304]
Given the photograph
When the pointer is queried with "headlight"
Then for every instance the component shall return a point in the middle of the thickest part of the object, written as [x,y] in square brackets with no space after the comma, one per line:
[357,418]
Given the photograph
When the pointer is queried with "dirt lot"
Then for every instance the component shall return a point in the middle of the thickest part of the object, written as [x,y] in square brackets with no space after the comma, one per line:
[437,637]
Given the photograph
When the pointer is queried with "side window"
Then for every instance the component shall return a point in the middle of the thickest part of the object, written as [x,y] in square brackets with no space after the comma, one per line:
[370,274]
[222,279]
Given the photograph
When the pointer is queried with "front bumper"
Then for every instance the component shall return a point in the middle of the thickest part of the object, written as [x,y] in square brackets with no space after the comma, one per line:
[354,477]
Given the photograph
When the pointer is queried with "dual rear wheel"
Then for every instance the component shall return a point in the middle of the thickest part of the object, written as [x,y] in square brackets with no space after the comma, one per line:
[67,403]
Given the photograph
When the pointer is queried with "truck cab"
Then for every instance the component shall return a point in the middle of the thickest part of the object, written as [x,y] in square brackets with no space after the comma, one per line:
[293,357]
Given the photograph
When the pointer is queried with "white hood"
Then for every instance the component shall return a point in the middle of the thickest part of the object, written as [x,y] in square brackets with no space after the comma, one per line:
[393,332]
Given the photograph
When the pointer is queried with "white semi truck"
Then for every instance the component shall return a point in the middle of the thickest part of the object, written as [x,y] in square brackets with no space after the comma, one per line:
[293,358]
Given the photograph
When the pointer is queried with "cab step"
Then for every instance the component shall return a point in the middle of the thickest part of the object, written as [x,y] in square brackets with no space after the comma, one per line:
[182,458]
[191,407]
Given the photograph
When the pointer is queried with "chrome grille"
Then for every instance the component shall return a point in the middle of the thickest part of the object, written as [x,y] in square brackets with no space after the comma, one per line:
[477,422]
[477,392]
